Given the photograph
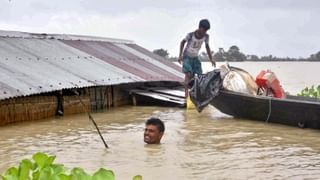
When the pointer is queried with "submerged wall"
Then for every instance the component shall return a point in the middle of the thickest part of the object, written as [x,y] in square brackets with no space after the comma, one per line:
[49,105]
[38,107]
[62,103]
[27,108]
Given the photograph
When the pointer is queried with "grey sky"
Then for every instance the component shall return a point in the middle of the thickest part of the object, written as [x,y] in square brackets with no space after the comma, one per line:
[282,28]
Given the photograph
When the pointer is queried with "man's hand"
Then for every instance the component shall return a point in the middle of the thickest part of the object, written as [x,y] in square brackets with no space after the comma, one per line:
[180,60]
[210,53]
[213,63]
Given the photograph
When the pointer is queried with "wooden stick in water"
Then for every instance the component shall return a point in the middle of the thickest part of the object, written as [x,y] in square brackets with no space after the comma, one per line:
[91,118]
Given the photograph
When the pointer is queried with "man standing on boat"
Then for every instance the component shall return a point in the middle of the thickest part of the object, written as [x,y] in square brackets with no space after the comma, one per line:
[189,55]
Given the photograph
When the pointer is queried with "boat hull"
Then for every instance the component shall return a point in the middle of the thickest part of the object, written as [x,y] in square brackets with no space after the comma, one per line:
[294,111]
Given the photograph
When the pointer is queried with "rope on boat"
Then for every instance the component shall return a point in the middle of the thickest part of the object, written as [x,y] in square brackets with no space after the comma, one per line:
[269,110]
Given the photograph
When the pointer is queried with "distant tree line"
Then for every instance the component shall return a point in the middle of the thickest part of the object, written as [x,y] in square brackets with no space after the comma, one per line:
[161,52]
[234,54]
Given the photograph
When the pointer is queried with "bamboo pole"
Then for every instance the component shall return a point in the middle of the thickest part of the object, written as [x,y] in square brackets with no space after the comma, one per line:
[91,118]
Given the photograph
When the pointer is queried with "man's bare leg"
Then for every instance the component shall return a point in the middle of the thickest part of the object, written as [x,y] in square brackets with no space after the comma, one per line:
[186,81]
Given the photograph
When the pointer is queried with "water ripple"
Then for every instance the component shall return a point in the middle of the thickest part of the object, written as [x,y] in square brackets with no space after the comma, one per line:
[194,146]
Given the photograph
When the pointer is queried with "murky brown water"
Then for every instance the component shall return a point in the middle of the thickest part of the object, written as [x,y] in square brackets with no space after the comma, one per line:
[209,145]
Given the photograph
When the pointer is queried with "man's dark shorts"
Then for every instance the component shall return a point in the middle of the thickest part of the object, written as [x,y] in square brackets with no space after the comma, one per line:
[192,65]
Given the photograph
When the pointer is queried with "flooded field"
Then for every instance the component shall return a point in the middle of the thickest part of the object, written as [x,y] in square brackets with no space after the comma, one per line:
[209,145]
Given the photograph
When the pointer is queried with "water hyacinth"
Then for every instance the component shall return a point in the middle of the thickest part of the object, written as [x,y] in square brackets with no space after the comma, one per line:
[311,92]
[41,167]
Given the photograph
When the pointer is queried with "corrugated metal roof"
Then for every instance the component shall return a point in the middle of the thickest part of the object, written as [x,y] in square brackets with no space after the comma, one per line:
[37,63]
[17,34]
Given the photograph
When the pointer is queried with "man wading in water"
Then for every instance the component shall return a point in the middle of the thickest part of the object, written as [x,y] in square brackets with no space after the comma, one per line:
[189,55]
[153,131]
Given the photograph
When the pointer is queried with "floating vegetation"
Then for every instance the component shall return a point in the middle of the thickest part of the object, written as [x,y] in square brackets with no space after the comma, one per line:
[310,92]
[41,167]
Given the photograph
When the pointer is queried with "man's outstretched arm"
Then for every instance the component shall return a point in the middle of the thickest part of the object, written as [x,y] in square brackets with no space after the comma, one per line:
[210,55]
[180,59]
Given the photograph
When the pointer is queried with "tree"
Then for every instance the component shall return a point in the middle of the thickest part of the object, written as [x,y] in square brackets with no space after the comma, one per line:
[318,56]
[161,52]
[315,57]
[221,55]
[253,57]
[234,48]
[203,56]
[234,54]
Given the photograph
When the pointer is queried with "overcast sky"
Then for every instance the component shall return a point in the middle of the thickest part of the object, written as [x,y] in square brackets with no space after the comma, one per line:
[262,27]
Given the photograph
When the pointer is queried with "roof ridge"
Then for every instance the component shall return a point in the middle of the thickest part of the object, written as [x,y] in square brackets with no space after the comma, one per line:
[19,34]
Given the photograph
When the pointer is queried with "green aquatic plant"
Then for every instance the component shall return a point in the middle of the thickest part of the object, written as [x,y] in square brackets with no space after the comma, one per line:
[311,92]
[41,167]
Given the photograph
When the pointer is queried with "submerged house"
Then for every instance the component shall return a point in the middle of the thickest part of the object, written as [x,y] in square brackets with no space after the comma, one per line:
[43,75]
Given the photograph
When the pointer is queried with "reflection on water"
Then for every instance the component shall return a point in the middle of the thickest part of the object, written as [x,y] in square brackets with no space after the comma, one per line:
[209,145]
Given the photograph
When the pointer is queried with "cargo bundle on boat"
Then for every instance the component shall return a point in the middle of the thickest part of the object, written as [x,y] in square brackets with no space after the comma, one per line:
[234,92]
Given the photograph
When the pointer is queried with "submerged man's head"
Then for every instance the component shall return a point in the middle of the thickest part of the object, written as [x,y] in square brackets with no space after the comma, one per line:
[153,131]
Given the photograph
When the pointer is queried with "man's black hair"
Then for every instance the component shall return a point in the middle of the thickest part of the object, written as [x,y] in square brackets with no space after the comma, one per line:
[156,122]
[204,23]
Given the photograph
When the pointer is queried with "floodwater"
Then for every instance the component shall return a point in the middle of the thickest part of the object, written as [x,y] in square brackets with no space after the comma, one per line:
[209,145]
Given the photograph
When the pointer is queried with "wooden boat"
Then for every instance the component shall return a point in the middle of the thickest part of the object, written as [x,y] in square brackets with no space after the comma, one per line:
[298,111]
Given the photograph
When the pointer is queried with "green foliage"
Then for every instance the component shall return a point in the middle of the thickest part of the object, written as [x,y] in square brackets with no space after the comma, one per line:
[233,54]
[315,57]
[137,177]
[102,174]
[41,167]
[161,52]
[311,92]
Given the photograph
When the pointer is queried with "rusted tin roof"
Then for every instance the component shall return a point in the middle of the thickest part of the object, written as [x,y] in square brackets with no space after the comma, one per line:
[37,63]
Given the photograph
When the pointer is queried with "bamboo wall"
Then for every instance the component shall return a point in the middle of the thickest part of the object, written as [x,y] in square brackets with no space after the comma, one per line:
[121,95]
[27,109]
[45,105]
[101,97]
[105,97]
[39,107]
[72,104]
